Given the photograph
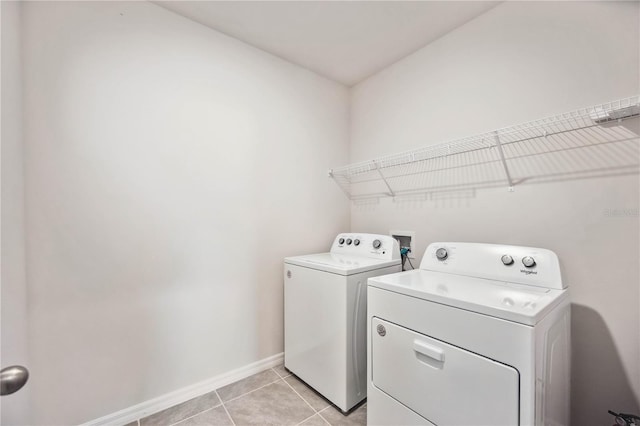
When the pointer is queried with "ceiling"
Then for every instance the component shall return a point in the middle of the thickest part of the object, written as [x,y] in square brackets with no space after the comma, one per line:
[346,41]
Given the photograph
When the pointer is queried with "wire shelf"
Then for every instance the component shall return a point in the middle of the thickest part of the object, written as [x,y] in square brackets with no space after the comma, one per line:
[586,142]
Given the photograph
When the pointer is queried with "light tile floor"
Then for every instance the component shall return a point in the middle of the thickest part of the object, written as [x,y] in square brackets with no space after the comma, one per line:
[272,397]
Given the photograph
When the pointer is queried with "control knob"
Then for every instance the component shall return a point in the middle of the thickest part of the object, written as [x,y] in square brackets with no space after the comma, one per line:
[348,241]
[507,260]
[341,241]
[377,244]
[441,253]
[356,242]
[528,261]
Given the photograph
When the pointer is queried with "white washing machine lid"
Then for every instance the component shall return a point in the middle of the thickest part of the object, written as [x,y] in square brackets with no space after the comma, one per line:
[514,302]
[340,264]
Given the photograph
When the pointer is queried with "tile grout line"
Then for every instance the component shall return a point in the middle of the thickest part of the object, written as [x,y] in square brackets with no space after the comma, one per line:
[314,410]
[296,392]
[225,409]
[321,416]
[280,375]
[190,417]
[247,393]
[313,415]
[301,397]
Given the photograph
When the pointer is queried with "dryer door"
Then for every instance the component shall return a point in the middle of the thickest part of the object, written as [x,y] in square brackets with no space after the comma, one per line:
[444,384]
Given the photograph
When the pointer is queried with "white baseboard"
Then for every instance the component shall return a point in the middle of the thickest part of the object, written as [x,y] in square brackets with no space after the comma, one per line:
[170,399]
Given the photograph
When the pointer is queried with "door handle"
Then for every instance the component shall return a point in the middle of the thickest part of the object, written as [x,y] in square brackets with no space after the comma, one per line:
[428,350]
[12,379]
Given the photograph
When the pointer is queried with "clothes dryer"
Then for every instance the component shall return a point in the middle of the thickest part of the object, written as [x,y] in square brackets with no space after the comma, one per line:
[479,335]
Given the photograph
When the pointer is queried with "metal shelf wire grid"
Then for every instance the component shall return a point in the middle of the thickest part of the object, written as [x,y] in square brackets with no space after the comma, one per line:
[586,142]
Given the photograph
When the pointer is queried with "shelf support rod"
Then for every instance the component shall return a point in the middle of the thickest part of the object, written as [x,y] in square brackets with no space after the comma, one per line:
[393,194]
[504,161]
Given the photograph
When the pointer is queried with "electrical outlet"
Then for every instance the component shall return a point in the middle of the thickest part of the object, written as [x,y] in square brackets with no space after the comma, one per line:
[405,239]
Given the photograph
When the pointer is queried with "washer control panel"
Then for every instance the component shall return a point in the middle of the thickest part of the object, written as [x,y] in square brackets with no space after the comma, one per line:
[515,264]
[367,245]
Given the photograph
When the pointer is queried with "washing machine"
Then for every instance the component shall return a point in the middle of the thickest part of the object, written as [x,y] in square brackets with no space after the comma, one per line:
[479,335]
[325,310]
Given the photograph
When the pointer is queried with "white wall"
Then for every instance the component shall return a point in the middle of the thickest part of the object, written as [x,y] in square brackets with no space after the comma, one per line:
[518,62]
[169,169]
[13,349]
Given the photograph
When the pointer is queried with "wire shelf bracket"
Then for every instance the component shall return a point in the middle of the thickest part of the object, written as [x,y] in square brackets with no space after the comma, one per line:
[384,179]
[496,138]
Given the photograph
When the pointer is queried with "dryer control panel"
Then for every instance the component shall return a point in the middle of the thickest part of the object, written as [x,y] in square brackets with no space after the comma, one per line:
[383,247]
[514,264]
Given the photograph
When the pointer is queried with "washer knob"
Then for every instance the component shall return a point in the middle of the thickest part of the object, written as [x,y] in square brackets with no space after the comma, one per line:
[348,241]
[356,242]
[341,241]
[377,244]
[528,261]
[441,253]
[507,260]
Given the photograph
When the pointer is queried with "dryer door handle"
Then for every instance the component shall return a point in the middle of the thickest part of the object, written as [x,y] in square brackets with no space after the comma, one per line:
[428,350]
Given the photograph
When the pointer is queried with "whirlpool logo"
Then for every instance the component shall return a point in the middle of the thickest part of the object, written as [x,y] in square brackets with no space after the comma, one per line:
[527,272]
